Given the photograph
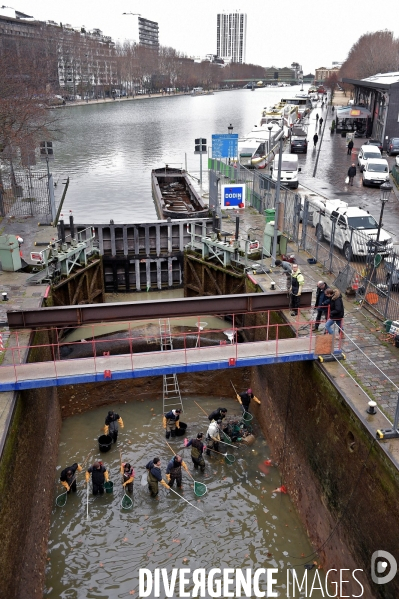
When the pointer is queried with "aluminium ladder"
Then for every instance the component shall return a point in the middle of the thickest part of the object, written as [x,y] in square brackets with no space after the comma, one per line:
[171,390]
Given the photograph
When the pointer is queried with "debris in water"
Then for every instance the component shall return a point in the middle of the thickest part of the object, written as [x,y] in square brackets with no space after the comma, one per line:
[282,489]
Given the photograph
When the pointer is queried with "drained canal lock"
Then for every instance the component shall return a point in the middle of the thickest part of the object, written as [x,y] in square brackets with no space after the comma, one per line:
[97,548]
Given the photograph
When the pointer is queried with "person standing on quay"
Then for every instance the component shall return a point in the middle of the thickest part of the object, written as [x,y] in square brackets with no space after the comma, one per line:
[315,140]
[297,282]
[322,302]
[337,311]
[350,146]
[351,173]
[320,122]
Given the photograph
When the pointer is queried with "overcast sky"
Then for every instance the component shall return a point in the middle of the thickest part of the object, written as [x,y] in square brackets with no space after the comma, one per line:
[311,32]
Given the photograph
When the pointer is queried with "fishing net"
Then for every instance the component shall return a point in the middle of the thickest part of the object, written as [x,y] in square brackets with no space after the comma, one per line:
[225,437]
[199,489]
[127,502]
[61,499]
[247,417]
[229,459]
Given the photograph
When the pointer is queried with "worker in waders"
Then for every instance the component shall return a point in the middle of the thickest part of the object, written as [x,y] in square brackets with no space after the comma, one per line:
[128,476]
[197,451]
[171,422]
[99,475]
[245,399]
[218,414]
[111,425]
[173,471]
[213,436]
[155,476]
[68,477]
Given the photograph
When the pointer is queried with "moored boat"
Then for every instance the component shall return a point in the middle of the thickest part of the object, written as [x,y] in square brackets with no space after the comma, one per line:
[174,194]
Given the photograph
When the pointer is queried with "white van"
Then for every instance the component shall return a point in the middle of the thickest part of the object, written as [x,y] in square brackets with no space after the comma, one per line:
[289,170]
[375,172]
[365,153]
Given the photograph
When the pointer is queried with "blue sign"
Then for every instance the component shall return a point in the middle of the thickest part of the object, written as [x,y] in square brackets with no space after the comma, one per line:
[225,145]
[233,196]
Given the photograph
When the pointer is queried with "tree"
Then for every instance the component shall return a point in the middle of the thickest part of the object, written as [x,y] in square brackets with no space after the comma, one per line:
[373,53]
[25,119]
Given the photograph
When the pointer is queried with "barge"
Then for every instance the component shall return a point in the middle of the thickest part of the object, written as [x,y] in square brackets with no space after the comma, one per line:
[175,196]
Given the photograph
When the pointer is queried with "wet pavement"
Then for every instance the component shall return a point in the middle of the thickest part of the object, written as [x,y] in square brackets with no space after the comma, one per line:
[332,168]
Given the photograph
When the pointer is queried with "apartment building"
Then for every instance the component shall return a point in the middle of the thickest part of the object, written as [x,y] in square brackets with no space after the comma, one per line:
[231,37]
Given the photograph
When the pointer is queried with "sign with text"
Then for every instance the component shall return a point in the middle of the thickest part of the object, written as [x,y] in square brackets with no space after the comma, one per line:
[233,196]
[225,145]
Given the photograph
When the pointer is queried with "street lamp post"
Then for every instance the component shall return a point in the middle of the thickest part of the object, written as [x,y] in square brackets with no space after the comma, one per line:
[230,132]
[386,189]
[279,138]
[270,127]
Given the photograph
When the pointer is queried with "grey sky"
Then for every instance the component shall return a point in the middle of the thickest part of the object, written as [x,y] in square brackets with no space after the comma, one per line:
[310,32]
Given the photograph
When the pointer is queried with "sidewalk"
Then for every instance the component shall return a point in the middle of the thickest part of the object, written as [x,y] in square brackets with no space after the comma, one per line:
[71,104]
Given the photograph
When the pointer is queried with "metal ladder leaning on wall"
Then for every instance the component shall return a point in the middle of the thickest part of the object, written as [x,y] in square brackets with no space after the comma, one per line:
[171,390]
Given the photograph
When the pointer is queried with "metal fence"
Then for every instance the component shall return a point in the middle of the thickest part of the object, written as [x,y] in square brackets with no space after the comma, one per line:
[371,270]
[24,193]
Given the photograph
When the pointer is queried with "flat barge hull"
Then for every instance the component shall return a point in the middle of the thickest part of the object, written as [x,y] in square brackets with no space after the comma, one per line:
[175,196]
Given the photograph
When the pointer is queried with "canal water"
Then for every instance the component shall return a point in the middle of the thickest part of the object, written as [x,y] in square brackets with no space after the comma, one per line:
[243,524]
[108,150]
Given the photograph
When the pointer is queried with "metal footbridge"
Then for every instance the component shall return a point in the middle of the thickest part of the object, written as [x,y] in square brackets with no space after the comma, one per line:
[235,343]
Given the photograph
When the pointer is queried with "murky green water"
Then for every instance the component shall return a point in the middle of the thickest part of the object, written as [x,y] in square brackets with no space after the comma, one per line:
[243,524]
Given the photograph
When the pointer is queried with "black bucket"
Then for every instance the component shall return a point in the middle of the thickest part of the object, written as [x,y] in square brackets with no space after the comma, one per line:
[180,432]
[105,442]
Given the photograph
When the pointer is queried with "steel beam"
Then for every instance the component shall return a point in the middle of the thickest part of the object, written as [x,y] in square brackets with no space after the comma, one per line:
[73,316]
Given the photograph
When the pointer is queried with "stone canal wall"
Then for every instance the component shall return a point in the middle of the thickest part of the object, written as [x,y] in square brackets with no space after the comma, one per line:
[27,487]
[26,493]
[343,484]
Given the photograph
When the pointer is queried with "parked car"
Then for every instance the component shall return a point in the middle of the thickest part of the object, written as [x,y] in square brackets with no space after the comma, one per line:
[374,142]
[393,146]
[367,153]
[299,144]
[391,265]
[375,172]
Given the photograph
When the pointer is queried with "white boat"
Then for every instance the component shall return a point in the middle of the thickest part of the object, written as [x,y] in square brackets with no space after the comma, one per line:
[284,115]
[302,101]
[253,149]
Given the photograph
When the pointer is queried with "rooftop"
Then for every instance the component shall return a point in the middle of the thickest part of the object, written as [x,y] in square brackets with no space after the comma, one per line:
[387,78]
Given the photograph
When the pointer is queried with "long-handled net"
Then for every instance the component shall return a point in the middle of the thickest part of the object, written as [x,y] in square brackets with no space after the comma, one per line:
[199,489]
[61,499]
[127,502]
[228,458]
[247,417]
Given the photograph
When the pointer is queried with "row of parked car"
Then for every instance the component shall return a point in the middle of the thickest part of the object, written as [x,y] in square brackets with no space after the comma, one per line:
[375,168]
